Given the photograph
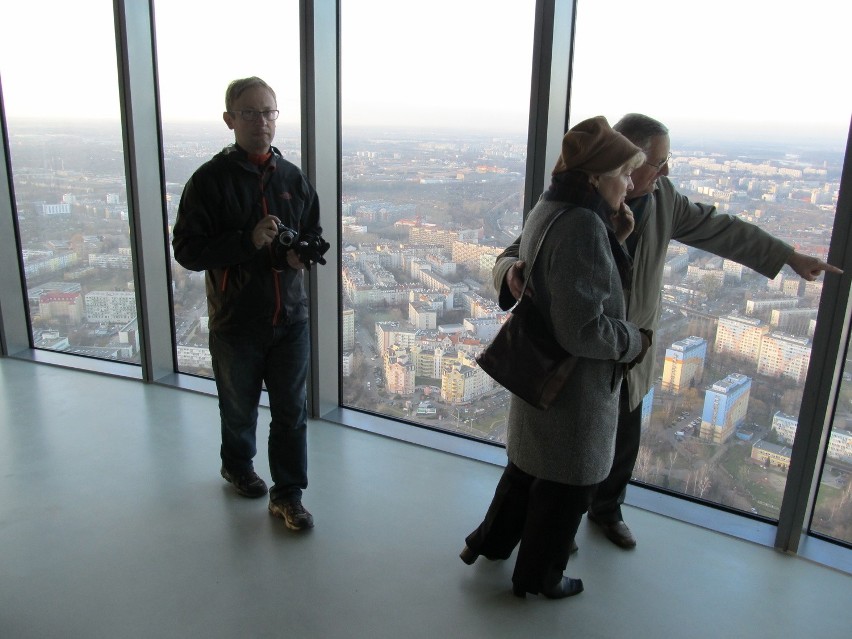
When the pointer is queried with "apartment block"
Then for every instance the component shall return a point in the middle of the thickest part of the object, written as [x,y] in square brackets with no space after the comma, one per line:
[783,355]
[740,336]
[684,364]
[725,405]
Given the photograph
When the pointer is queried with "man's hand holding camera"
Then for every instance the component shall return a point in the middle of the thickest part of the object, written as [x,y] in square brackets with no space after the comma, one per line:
[265,232]
[288,247]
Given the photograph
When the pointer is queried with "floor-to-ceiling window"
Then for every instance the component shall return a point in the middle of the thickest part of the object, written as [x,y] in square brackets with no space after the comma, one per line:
[758,117]
[435,104]
[435,113]
[60,90]
[238,41]
[832,514]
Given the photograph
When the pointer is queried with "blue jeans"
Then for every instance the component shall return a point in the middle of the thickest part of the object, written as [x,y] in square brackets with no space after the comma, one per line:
[242,362]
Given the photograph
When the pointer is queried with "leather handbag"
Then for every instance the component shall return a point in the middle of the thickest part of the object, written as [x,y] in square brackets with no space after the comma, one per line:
[524,357]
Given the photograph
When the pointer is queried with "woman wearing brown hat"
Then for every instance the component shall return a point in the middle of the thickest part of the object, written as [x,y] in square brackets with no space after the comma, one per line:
[557,456]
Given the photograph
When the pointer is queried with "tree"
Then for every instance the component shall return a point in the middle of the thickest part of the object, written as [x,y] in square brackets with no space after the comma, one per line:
[672,460]
[643,463]
[711,286]
[702,481]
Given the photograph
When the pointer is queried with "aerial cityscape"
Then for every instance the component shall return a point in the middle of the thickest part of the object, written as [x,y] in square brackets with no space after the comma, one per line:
[423,216]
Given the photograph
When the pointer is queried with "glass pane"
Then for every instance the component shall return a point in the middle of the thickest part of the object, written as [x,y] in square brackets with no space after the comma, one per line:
[832,515]
[435,114]
[67,158]
[732,346]
[192,101]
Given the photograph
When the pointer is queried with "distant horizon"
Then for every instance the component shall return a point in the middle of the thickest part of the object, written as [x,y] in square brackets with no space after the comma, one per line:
[681,131]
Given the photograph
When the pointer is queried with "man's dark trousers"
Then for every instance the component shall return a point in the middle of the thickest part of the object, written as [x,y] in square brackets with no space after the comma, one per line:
[606,505]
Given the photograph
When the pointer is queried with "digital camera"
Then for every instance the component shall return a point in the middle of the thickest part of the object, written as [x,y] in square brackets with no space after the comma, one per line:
[286,236]
[310,250]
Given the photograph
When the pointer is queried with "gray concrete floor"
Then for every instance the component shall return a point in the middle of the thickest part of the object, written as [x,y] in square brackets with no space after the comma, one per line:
[114,523]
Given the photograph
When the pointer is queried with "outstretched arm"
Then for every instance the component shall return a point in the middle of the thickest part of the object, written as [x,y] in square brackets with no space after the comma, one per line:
[809,267]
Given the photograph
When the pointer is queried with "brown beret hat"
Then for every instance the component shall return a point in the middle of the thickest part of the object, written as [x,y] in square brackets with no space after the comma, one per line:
[594,147]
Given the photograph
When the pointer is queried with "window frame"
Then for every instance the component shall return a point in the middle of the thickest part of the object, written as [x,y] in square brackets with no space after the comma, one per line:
[321,151]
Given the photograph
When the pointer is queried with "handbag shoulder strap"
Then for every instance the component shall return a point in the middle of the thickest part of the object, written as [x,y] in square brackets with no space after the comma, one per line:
[529,269]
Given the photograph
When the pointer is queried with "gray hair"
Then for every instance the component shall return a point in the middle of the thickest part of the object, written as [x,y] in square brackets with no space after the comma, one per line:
[238,87]
[639,129]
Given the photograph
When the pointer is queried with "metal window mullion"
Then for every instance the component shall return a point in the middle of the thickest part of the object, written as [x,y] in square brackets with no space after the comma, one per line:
[823,379]
[550,90]
[321,149]
[145,186]
[15,331]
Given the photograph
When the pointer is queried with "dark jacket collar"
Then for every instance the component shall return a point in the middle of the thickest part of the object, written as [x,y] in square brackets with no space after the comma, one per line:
[574,187]
[239,154]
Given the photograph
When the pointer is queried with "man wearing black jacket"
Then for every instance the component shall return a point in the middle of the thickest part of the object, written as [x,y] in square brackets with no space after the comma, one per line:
[237,219]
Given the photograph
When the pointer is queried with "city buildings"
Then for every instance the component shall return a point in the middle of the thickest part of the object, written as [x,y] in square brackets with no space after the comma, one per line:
[92,201]
[684,364]
[725,406]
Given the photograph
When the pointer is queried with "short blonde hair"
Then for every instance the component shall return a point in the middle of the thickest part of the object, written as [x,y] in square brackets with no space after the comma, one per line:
[238,87]
[628,167]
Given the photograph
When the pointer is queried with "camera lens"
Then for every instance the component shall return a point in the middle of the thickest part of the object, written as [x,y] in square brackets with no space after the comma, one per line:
[286,236]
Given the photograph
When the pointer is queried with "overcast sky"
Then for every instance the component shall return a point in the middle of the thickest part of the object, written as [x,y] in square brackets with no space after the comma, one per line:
[462,63]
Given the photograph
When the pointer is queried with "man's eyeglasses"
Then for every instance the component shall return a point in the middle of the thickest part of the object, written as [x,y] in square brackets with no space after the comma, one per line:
[251,115]
[661,164]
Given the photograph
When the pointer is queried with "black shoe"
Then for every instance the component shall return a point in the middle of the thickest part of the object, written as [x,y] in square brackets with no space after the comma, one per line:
[616,531]
[468,556]
[248,484]
[566,587]
[292,512]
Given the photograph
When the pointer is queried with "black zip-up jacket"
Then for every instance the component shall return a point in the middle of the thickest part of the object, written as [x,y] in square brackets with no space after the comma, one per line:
[221,204]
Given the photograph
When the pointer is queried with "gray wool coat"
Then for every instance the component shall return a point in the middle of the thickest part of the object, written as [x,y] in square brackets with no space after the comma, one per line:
[662,216]
[578,289]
